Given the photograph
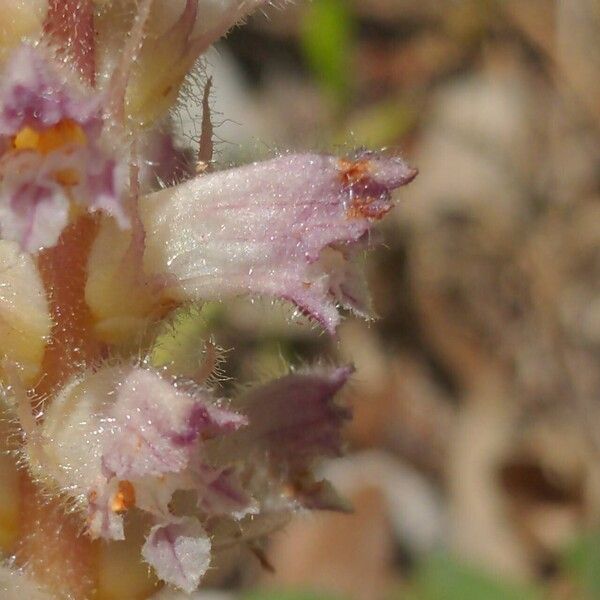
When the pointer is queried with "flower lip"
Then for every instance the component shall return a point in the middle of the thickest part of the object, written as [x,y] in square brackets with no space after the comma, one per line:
[34,94]
[369,181]
[54,154]
[179,551]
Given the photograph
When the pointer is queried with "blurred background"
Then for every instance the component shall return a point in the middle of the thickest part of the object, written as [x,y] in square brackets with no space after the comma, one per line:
[473,460]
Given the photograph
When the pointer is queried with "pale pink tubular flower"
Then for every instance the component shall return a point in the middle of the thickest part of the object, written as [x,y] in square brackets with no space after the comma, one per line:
[286,228]
[140,433]
[124,437]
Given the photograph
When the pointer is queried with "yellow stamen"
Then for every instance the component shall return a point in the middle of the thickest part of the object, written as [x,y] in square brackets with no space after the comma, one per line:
[45,141]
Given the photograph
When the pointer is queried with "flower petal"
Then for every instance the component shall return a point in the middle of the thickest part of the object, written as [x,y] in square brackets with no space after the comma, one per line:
[102,521]
[33,94]
[222,493]
[156,426]
[263,229]
[34,208]
[294,418]
[179,552]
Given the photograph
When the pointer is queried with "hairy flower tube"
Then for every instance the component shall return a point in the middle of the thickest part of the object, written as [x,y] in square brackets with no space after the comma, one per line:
[121,442]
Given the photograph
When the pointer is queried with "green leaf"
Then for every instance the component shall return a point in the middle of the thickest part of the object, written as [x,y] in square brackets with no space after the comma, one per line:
[378,125]
[288,595]
[326,39]
[443,578]
[581,561]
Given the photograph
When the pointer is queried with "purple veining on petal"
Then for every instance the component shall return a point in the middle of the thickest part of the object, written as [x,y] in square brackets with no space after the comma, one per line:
[294,418]
[220,492]
[105,180]
[157,425]
[264,229]
[197,420]
[52,152]
[34,208]
[142,440]
[179,552]
[209,420]
[33,94]
[149,414]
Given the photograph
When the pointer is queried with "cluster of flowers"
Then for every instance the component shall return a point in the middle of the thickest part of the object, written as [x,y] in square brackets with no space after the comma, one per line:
[101,262]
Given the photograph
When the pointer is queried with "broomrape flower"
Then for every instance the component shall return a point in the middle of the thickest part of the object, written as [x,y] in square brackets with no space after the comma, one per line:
[103,362]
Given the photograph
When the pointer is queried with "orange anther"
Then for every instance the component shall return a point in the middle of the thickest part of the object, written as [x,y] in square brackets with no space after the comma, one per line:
[47,140]
[124,499]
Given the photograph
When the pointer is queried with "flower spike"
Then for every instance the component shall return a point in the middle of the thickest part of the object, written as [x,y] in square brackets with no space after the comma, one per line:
[117,424]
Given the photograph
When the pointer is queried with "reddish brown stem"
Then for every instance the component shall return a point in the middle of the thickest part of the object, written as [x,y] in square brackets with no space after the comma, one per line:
[70,26]
[64,270]
[51,546]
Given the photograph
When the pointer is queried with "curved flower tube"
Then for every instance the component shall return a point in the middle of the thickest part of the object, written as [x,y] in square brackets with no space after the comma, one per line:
[287,228]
